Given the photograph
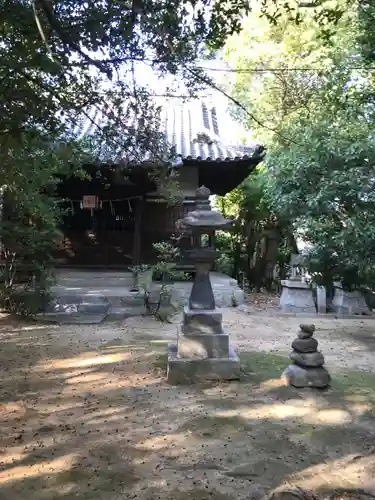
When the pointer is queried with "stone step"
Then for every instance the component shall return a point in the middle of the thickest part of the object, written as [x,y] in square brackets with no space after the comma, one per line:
[120,312]
[70,304]
[71,318]
[133,299]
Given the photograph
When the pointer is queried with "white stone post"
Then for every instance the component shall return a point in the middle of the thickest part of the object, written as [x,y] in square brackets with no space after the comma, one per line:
[321,299]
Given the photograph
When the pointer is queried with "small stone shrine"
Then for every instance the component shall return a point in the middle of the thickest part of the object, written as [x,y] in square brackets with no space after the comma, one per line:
[203,350]
[307,369]
[296,295]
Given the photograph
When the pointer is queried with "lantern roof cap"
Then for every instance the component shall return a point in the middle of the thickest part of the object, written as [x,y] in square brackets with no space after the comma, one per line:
[203,217]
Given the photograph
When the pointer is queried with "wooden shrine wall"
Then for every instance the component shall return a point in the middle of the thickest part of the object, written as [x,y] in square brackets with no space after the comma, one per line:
[103,237]
[106,237]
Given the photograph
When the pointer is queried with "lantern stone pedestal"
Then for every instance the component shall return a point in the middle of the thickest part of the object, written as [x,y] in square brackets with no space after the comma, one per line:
[203,350]
[296,297]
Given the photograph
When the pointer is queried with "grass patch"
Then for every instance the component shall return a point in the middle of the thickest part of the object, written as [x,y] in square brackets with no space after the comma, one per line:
[258,367]
[354,383]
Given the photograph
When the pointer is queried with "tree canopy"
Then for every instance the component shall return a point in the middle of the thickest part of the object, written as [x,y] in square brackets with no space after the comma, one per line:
[313,107]
[60,58]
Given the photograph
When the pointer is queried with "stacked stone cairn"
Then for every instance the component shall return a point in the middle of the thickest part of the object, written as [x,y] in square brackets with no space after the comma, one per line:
[307,369]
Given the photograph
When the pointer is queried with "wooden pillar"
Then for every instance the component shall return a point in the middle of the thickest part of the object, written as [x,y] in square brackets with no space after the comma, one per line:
[136,256]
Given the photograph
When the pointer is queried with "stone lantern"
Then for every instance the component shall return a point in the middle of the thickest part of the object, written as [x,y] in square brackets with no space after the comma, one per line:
[203,350]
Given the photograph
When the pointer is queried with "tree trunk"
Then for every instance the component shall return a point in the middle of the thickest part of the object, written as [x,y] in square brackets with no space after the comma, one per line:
[250,250]
[273,236]
[236,259]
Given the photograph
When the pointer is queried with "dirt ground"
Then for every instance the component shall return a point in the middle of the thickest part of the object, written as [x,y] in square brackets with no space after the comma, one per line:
[86,414]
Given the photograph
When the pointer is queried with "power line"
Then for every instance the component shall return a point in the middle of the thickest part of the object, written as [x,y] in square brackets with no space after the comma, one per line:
[131,59]
[277,70]
[266,69]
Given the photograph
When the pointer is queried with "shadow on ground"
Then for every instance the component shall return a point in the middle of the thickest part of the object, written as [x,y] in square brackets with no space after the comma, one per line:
[87,419]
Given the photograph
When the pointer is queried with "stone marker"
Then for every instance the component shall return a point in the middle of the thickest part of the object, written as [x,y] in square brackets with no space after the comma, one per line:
[307,369]
[203,350]
[296,295]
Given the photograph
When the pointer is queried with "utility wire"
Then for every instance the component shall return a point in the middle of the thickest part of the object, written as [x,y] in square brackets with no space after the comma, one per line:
[96,62]
[277,70]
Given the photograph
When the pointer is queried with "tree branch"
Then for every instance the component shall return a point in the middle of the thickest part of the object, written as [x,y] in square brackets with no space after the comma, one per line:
[55,26]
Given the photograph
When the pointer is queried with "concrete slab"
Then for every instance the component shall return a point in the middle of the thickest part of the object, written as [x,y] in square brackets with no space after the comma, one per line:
[86,296]
[72,318]
[116,286]
[76,308]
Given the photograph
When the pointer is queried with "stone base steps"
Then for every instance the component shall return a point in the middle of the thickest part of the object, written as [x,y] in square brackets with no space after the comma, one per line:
[185,371]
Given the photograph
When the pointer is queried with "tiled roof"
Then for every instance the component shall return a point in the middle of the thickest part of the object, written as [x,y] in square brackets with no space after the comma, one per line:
[195,129]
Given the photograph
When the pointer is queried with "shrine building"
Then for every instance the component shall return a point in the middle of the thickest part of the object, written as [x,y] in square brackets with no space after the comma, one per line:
[117,213]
